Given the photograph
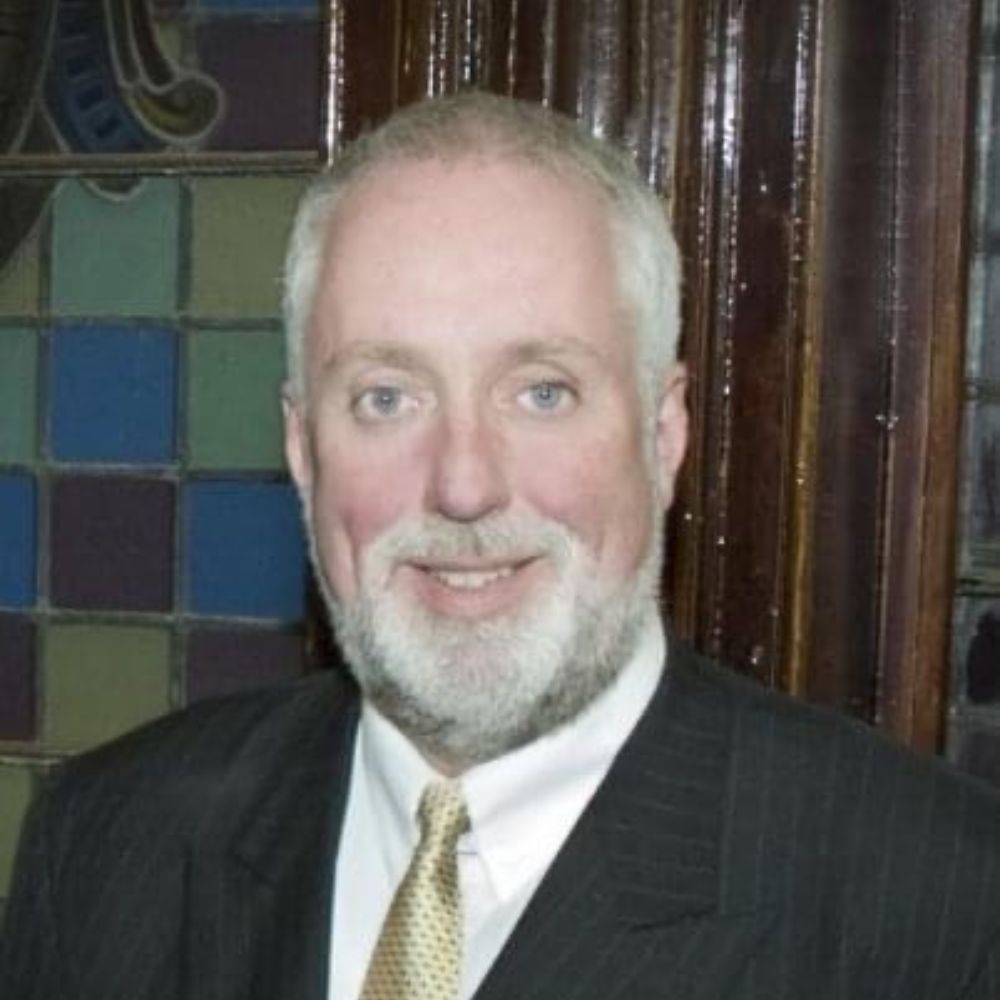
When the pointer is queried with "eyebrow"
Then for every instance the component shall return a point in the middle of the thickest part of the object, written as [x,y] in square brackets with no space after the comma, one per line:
[527,351]
[391,355]
[549,349]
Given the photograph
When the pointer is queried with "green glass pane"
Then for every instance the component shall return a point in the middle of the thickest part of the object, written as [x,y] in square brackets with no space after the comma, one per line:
[234,409]
[19,279]
[115,257]
[101,680]
[18,385]
[239,229]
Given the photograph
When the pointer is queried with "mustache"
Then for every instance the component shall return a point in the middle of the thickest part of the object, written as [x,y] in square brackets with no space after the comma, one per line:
[500,536]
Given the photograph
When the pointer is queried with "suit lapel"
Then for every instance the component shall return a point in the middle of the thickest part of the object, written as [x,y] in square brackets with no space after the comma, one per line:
[259,886]
[632,904]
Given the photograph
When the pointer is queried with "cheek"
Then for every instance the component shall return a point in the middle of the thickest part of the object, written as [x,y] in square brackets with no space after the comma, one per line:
[600,491]
[354,502]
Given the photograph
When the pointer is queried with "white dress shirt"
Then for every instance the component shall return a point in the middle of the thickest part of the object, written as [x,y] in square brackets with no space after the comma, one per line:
[522,807]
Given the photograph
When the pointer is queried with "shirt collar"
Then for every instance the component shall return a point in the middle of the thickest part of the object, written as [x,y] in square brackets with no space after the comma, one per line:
[522,805]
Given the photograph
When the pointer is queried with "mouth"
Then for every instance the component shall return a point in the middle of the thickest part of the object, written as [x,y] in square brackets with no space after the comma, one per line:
[474,589]
[471,578]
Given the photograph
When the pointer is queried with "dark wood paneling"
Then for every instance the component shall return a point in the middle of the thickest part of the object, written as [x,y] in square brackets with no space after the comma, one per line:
[366,77]
[933,93]
[822,193]
[893,195]
[613,65]
[744,219]
[856,199]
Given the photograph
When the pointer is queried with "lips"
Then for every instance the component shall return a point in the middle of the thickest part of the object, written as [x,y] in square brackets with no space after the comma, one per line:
[473,589]
[470,579]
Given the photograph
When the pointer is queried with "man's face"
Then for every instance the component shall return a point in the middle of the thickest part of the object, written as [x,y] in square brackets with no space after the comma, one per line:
[472,449]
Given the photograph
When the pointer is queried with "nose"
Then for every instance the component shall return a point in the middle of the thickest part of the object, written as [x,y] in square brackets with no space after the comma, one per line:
[468,478]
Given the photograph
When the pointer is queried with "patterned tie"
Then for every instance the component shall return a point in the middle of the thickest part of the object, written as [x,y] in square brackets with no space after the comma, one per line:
[419,953]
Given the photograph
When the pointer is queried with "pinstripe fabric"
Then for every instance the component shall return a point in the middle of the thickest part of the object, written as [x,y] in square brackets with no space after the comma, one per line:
[742,847]
[188,860]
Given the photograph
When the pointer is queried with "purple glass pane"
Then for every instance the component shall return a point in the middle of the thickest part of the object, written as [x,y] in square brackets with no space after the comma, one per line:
[224,661]
[981,656]
[17,678]
[112,543]
[270,73]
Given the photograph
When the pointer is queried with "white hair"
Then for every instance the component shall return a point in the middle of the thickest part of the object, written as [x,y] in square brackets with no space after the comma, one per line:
[481,124]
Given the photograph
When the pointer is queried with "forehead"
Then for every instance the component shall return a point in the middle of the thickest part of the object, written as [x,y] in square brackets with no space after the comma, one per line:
[472,237]
[474,182]
[505,208]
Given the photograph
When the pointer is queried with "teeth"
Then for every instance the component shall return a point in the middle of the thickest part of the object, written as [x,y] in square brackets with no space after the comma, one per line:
[470,579]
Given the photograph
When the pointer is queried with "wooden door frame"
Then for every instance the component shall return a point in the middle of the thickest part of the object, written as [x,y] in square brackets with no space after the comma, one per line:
[853,219]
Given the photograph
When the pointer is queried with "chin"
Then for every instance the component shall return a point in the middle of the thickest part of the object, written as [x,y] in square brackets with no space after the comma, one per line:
[475,639]
[467,691]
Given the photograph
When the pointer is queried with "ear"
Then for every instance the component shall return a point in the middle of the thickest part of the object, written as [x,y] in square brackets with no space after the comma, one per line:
[671,431]
[298,450]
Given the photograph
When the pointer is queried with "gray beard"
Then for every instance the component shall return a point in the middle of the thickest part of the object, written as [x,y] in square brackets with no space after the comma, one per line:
[467,692]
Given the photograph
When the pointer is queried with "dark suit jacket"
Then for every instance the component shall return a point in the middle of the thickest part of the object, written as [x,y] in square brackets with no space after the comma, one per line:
[742,846]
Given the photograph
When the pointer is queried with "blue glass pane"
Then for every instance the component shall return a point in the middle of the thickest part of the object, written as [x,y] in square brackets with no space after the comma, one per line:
[244,553]
[18,540]
[114,394]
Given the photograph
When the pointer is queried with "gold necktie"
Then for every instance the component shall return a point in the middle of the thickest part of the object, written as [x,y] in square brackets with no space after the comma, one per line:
[419,953]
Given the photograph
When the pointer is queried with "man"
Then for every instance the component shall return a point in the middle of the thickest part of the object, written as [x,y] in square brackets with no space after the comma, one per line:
[484,420]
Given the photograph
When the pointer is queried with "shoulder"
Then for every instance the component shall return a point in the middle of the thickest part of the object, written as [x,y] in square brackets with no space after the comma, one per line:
[889,855]
[804,760]
[186,770]
[220,732]
[819,799]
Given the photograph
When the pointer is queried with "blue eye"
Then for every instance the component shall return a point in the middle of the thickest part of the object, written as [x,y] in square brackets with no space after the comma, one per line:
[379,402]
[547,396]
[385,399]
